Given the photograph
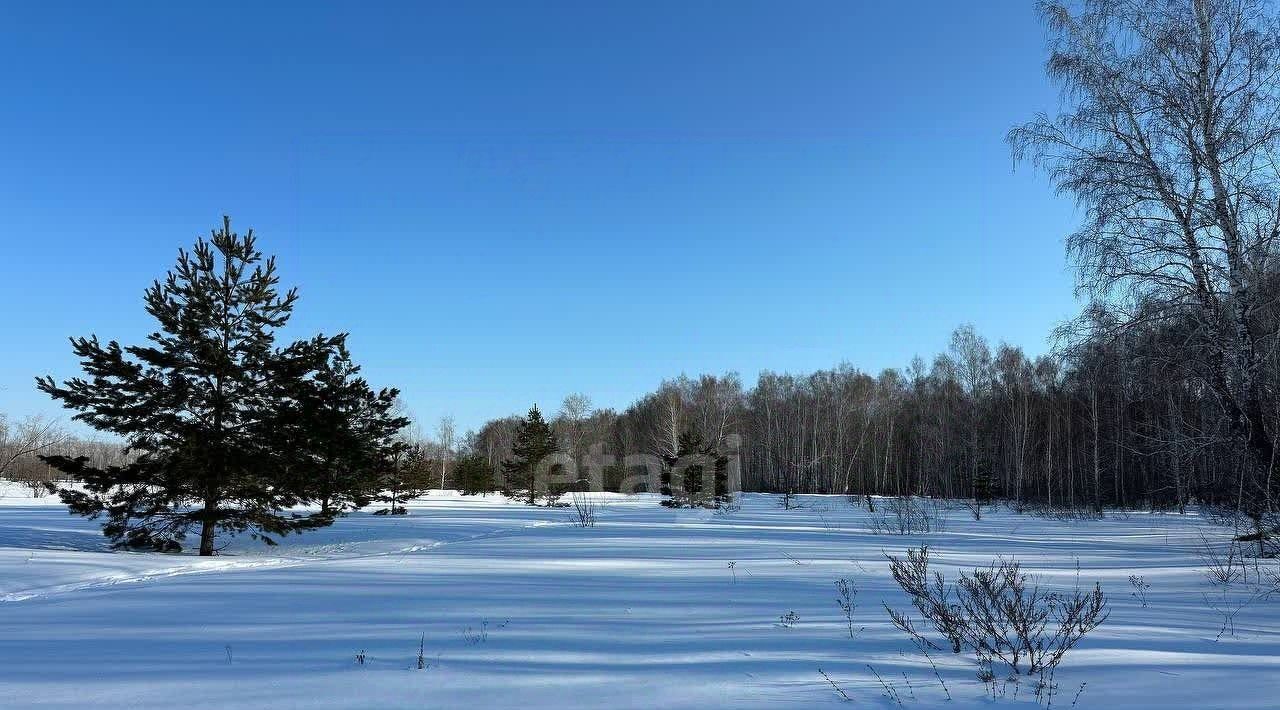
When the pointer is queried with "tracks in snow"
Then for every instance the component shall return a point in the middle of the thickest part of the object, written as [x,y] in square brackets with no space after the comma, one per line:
[318,555]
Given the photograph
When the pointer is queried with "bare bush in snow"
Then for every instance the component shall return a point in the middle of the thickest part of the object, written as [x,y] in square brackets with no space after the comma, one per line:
[908,515]
[847,599]
[584,510]
[996,613]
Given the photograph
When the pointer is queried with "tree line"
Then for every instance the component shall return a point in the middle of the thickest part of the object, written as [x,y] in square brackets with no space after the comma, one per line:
[1101,422]
[24,441]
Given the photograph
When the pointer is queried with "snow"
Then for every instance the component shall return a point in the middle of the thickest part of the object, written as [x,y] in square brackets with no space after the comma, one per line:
[516,606]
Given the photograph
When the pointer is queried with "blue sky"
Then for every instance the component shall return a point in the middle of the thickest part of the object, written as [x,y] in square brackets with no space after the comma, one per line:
[506,203]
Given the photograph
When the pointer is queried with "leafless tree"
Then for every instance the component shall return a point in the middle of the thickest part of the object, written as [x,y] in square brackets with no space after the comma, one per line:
[444,436]
[972,358]
[25,440]
[1168,142]
[572,422]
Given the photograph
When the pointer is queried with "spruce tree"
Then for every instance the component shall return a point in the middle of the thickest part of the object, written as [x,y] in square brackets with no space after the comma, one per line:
[201,407]
[535,440]
[695,459]
[984,490]
[474,474]
[404,474]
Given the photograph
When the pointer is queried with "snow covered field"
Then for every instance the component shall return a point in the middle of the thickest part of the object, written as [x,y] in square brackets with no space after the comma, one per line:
[515,606]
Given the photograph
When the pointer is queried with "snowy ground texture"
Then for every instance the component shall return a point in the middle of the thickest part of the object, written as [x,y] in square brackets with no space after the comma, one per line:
[515,606]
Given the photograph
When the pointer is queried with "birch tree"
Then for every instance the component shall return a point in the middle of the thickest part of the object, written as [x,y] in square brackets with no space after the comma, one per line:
[1168,142]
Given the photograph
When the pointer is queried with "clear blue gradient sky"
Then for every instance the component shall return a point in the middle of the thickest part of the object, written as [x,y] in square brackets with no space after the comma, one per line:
[506,203]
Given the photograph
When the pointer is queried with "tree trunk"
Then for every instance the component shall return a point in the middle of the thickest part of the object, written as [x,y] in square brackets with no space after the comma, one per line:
[1097,463]
[208,526]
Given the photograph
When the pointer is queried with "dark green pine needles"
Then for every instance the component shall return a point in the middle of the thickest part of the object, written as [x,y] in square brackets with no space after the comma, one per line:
[226,430]
[535,442]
